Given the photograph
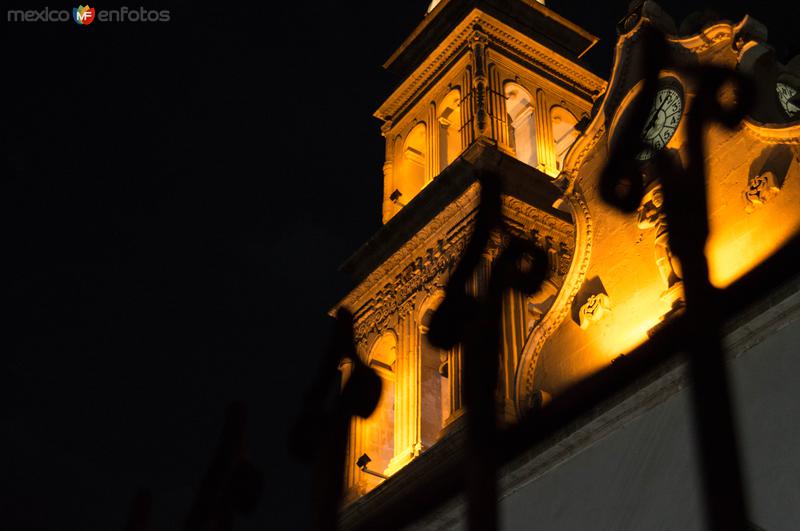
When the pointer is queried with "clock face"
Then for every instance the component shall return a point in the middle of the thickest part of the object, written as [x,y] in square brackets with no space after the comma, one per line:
[785,93]
[662,122]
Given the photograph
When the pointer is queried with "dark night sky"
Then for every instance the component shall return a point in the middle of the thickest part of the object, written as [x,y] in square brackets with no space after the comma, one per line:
[178,198]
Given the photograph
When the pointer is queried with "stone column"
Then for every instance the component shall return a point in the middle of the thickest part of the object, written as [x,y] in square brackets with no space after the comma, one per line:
[513,337]
[433,168]
[546,148]
[454,375]
[350,471]
[407,394]
[497,110]
[467,117]
[388,172]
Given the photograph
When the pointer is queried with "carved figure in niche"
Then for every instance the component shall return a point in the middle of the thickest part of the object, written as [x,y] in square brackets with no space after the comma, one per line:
[595,307]
[651,216]
[760,189]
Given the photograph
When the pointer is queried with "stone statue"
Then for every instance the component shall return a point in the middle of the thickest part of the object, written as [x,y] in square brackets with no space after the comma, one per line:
[651,216]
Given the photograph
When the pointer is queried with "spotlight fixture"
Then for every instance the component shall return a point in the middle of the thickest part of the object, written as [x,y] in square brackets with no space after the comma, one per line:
[395,198]
[362,463]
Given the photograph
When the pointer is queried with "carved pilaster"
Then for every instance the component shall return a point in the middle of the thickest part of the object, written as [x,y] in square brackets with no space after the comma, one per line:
[355,486]
[407,394]
[388,172]
[350,469]
[480,81]
[514,319]
[467,108]
[497,110]
[433,161]
[454,375]
[544,128]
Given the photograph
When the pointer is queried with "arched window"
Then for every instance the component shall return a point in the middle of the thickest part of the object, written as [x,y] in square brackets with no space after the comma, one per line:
[379,427]
[564,132]
[449,128]
[411,162]
[521,123]
[434,381]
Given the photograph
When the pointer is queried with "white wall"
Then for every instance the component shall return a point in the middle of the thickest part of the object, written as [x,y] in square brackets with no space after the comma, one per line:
[644,476]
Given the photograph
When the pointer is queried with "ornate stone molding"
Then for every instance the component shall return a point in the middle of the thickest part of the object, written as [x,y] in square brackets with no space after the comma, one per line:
[619,84]
[561,306]
[426,270]
[548,61]
[745,32]
[499,35]
[597,127]
[515,208]
[706,39]
[420,273]
[773,133]
[578,152]
[436,228]
[423,263]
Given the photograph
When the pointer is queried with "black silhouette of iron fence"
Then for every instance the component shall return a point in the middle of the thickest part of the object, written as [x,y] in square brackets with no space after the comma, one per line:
[474,322]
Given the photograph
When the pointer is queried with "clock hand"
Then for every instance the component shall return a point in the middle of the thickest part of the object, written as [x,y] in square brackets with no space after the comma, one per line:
[655,116]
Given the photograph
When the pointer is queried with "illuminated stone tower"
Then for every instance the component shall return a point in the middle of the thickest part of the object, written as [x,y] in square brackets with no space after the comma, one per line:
[485,84]
[502,73]
[495,86]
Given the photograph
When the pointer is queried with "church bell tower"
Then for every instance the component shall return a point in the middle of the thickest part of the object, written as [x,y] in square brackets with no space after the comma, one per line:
[486,85]
[502,73]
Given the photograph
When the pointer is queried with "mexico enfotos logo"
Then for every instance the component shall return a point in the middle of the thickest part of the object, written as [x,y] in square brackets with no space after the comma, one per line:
[85,15]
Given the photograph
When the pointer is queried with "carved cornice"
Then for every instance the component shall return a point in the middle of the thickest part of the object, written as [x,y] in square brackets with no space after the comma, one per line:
[580,150]
[423,263]
[501,36]
[439,58]
[396,299]
[748,29]
[516,208]
[448,217]
[615,92]
[773,133]
[547,60]
[706,39]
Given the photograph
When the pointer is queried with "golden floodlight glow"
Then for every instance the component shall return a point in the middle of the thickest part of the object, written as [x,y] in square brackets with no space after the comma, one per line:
[732,255]
[624,335]
[478,95]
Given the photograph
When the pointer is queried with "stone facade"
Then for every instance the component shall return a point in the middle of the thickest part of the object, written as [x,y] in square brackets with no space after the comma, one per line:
[488,86]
